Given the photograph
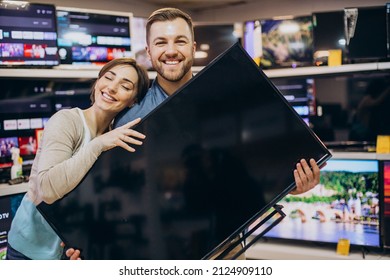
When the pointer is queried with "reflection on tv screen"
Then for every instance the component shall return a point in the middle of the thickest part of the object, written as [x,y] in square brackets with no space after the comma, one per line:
[344,205]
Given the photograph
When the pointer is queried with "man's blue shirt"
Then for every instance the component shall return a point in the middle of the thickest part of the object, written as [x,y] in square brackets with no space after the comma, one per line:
[152,99]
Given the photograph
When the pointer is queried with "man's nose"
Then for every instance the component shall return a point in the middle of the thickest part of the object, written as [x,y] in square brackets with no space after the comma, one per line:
[171,49]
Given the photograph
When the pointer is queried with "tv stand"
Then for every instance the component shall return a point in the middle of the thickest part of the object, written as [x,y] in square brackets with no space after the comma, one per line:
[277,213]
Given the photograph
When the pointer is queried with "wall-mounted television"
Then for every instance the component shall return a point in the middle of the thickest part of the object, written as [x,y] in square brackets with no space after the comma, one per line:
[283,42]
[346,204]
[28,35]
[90,38]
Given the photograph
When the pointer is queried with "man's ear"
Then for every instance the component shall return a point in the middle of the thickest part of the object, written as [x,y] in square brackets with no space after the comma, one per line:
[194,48]
[148,53]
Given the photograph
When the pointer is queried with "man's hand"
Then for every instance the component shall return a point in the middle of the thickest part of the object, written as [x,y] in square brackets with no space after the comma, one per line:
[306,177]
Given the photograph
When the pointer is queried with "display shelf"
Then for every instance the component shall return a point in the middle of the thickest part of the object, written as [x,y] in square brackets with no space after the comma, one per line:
[50,73]
[384,65]
[359,155]
[6,189]
[273,250]
[320,70]
[74,73]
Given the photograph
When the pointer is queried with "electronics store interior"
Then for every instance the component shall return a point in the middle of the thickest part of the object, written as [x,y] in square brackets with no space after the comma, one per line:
[328,60]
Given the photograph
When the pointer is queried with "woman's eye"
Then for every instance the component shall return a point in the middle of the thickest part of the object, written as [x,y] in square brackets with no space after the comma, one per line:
[127,87]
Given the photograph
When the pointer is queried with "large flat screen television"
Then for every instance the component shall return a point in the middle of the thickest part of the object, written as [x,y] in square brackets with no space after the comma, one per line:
[346,204]
[216,157]
[28,35]
[89,37]
[283,42]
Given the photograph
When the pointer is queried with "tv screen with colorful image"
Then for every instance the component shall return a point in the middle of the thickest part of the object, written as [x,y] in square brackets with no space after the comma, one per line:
[280,42]
[28,35]
[6,144]
[386,203]
[27,145]
[92,37]
[346,204]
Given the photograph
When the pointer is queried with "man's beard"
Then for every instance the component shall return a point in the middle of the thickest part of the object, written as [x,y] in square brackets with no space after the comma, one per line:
[174,76]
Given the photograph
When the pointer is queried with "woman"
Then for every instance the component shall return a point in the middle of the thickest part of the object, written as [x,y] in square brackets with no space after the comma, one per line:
[72,141]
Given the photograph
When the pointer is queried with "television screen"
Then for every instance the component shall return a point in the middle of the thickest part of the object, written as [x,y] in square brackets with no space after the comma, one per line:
[214,160]
[212,40]
[366,33]
[284,42]
[5,224]
[28,35]
[300,93]
[386,203]
[6,144]
[92,37]
[27,145]
[328,34]
[388,28]
[346,204]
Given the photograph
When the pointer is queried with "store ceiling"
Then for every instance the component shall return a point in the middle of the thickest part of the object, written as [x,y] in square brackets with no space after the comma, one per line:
[198,5]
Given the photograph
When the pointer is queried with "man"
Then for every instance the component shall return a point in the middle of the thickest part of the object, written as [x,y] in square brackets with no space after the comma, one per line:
[171,49]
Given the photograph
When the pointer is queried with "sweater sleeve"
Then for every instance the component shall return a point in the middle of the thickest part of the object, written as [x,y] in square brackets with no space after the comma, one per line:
[62,164]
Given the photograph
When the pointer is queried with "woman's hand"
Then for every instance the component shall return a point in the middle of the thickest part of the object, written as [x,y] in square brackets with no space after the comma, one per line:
[122,136]
[306,177]
[71,253]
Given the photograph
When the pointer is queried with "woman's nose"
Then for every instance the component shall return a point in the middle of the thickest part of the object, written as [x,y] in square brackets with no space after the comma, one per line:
[112,87]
